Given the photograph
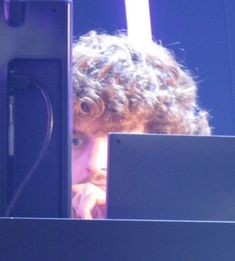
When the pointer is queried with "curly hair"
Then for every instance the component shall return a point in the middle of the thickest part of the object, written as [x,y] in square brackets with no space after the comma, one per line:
[123,86]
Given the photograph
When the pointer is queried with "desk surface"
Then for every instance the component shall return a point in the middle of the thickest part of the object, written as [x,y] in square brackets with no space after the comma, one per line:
[111,240]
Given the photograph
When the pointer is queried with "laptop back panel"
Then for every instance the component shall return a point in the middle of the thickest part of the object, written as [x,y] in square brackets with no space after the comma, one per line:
[172,177]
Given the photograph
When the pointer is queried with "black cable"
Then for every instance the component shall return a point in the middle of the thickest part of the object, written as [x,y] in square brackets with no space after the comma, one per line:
[24,82]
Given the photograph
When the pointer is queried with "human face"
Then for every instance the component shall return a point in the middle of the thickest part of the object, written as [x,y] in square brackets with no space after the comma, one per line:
[89,156]
[89,159]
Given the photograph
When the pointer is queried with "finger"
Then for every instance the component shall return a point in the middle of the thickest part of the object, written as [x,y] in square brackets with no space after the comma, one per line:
[85,188]
[87,204]
[78,188]
[87,200]
[84,202]
[75,205]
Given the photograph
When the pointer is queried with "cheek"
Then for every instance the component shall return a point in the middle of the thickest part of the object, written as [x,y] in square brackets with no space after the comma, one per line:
[77,167]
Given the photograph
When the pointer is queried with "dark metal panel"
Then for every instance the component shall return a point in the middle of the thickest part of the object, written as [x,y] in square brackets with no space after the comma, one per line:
[116,240]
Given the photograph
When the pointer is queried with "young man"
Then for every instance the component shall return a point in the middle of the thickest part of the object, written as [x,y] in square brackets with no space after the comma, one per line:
[121,87]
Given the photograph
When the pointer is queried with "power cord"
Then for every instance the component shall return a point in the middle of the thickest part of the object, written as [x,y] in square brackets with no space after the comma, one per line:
[23,82]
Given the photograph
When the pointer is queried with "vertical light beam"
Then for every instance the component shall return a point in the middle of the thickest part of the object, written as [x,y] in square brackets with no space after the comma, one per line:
[138,21]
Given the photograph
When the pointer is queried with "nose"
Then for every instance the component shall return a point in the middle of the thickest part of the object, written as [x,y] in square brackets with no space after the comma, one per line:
[97,157]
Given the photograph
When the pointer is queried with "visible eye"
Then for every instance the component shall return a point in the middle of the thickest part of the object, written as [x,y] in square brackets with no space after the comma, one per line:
[78,140]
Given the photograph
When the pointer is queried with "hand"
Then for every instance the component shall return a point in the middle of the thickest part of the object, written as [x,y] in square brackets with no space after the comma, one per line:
[88,201]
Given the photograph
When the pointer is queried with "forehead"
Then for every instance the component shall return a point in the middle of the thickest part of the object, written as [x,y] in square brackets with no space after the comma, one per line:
[92,127]
[97,127]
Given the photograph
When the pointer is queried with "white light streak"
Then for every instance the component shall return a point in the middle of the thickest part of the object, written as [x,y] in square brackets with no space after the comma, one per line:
[138,21]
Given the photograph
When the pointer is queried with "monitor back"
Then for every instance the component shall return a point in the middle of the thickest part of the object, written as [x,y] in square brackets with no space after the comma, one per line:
[35,108]
[171,177]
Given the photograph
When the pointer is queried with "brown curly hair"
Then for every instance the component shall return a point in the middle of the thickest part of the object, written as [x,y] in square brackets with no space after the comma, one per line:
[123,86]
